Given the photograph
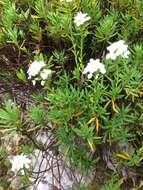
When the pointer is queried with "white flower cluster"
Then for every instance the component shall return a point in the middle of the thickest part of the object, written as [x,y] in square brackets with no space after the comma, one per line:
[35,69]
[94,66]
[44,75]
[116,49]
[81,18]
[19,162]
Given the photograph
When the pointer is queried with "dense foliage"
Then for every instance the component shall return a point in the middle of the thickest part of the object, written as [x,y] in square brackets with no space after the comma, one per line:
[97,119]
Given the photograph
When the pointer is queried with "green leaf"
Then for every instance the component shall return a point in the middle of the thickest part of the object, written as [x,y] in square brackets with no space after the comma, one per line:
[38,115]
[10,117]
[21,75]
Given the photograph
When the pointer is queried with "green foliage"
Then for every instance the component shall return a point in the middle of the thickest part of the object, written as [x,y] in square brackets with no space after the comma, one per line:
[25,181]
[6,74]
[2,152]
[25,149]
[66,103]
[4,183]
[41,9]
[130,28]
[37,115]
[111,184]
[9,13]
[75,154]
[136,158]
[92,8]
[10,119]
[117,125]
[138,54]
[2,37]
[60,23]
[38,97]
[85,114]
[107,27]
[21,75]
[81,188]
[35,30]
[59,57]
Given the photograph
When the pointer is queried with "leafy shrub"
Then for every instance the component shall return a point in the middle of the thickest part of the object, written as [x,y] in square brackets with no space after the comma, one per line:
[87,110]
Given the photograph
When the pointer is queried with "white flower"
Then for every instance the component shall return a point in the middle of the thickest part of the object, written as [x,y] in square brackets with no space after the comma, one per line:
[116,49]
[42,83]
[94,66]
[34,82]
[35,67]
[19,162]
[80,18]
[45,73]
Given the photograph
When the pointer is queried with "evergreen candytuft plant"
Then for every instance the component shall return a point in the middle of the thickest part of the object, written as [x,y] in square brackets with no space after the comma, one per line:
[82,62]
